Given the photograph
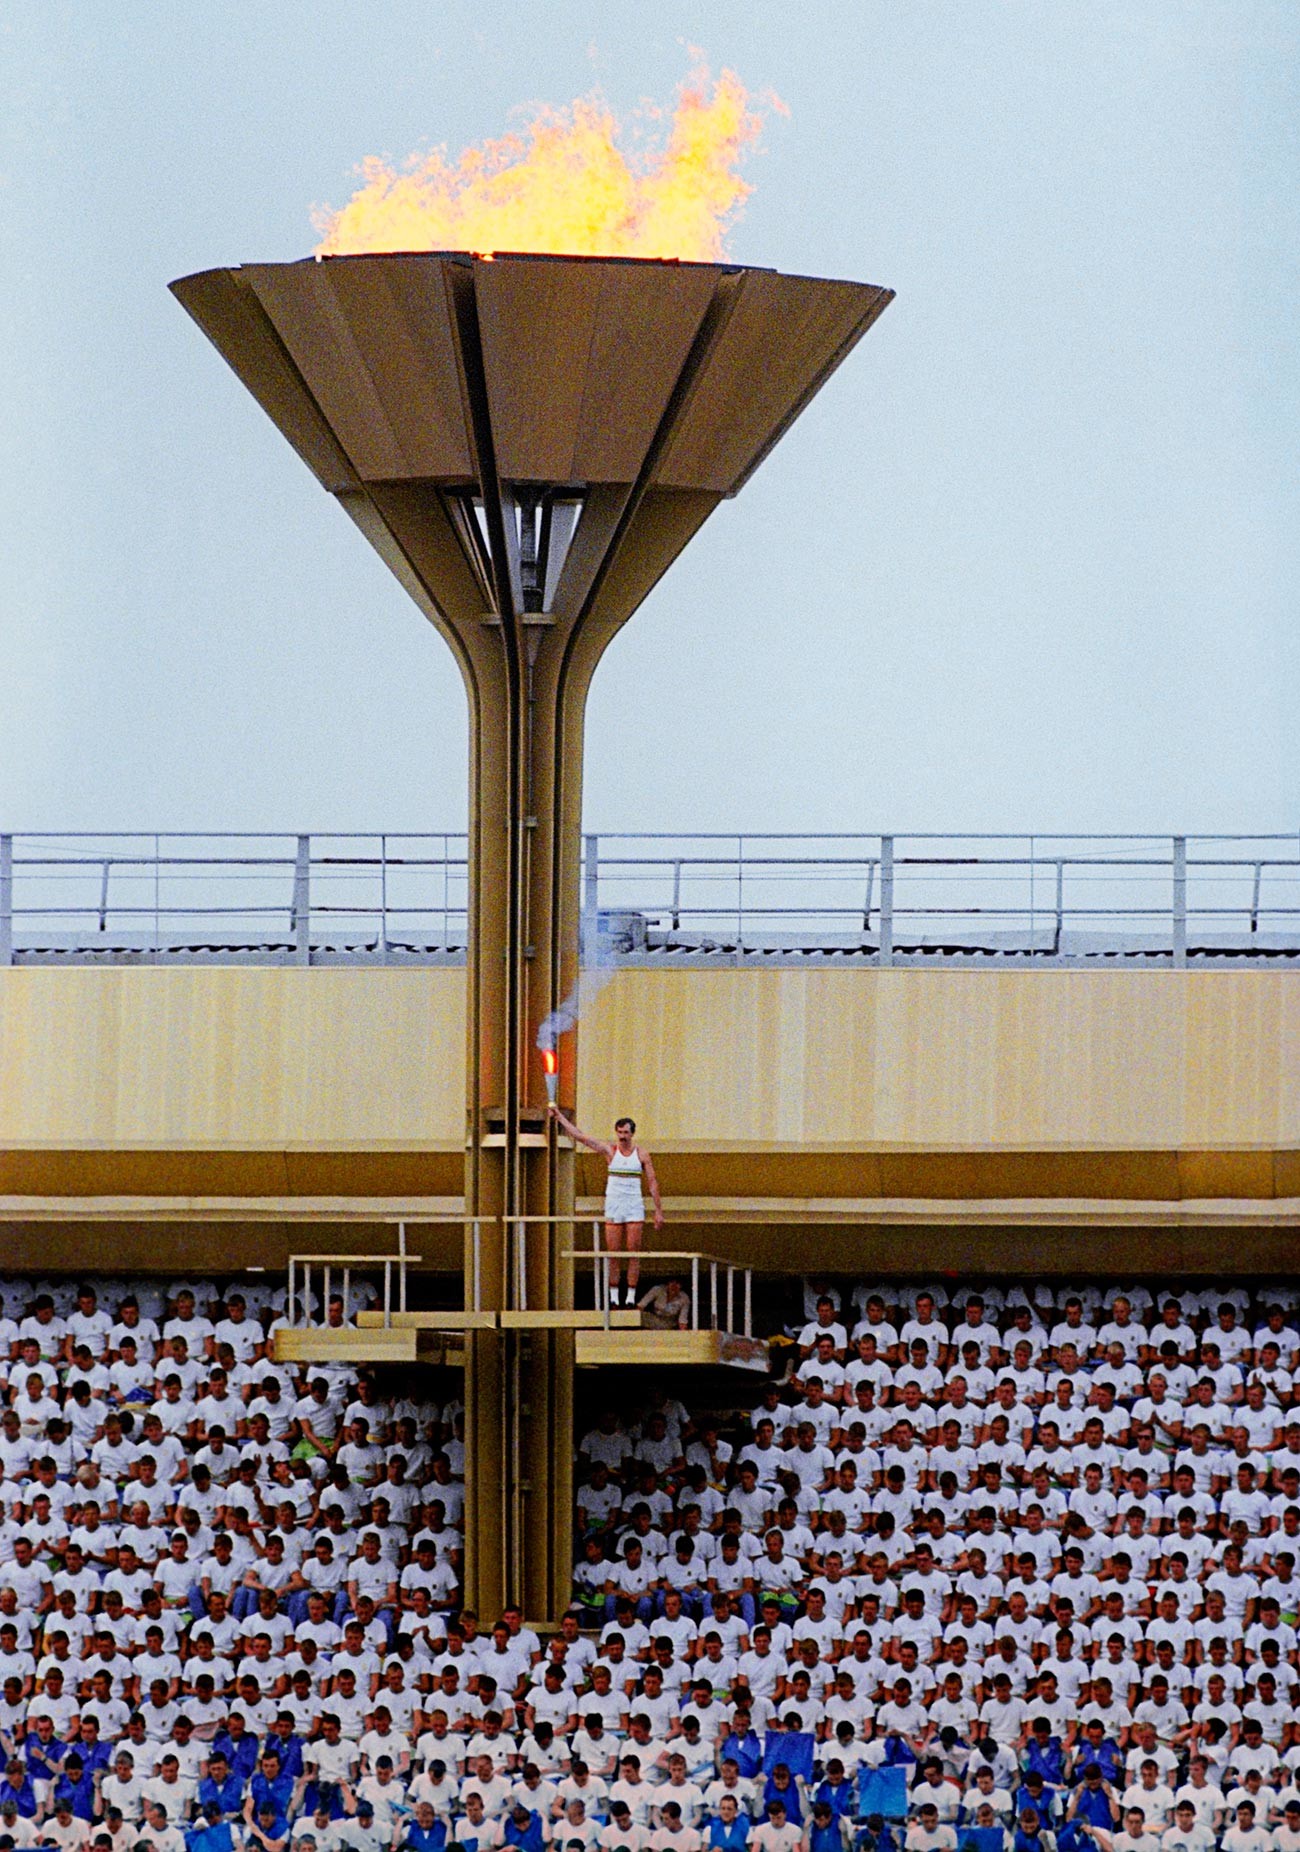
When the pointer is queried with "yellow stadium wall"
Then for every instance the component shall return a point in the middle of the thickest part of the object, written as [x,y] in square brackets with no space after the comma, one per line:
[779,1082]
[949,1059]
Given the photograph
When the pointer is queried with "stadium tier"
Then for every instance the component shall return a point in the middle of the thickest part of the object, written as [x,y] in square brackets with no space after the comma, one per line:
[1001,1566]
[935,1487]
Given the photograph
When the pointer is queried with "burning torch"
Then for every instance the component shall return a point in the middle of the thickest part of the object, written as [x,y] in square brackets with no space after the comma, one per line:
[551,1069]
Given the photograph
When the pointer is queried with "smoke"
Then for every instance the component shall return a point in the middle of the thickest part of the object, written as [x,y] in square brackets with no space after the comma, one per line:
[597,962]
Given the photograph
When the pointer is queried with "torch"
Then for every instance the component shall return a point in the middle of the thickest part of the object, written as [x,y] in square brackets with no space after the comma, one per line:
[551,1069]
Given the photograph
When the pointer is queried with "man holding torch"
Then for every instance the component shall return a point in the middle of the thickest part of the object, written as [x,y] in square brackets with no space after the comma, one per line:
[628,1165]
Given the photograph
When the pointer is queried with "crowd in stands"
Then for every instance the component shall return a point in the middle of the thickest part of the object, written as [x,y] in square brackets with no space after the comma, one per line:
[1000,1569]
[225,1582]
[988,1571]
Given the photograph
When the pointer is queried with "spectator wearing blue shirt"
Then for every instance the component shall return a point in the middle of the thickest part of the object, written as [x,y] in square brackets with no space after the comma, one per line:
[271,1786]
[745,1751]
[1093,1803]
[524,1829]
[426,1832]
[1097,1747]
[42,1751]
[76,1785]
[17,1787]
[282,1741]
[781,1786]
[265,1829]
[210,1833]
[729,1829]
[827,1831]
[238,1746]
[1034,1792]
[839,1793]
[96,1755]
[220,1788]
[1044,1755]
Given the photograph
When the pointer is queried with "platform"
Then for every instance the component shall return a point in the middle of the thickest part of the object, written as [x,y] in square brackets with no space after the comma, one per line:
[306,1344]
[406,1337]
[427,1321]
[624,1319]
[665,1349]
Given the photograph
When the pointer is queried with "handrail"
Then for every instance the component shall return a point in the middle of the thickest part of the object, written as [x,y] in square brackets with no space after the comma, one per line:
[345,1262]
[301,1264]
[299,897]
[602,1259]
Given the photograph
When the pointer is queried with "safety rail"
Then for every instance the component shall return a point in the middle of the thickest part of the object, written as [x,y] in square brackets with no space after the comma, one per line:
[603,1260]
[271,894]
[661,1262]
[300,1270]
[391,898]
[1027,895]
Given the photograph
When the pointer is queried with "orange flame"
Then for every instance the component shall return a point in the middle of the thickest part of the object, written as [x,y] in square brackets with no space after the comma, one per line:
[566,185]
[550,1061]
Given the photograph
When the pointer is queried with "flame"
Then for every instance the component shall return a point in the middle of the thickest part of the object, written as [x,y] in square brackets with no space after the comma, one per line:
[550,1061]
[566,185]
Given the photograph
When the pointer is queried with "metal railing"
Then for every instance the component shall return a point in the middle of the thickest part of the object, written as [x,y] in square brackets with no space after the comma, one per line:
[667,1263]
[301,1299]
[663,1262]
[1039,896]
[282,895]
[392,897]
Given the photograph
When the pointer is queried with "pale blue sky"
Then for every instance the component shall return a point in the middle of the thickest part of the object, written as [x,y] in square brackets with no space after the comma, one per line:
[1029,562]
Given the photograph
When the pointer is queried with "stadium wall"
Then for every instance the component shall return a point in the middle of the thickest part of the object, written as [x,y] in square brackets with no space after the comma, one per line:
[939,1095]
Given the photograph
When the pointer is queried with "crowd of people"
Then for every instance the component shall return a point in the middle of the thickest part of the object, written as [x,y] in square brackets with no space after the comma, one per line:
[1007,1569]
[225,1582]
[985,1571]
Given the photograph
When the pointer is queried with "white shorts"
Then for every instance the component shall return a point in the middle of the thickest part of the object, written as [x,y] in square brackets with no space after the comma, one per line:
[624,1205]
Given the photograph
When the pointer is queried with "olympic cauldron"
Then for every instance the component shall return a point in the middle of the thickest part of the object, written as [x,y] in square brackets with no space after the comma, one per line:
[529,442]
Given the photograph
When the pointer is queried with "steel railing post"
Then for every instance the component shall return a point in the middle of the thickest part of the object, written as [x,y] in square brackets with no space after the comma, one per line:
[599,1284]
[347,1292]
[6,899]
[591,876]
[886,955]
[713,1294]
[388,1295]
[302,902]
[1180,901]
[740,893]
[749,1302]
[401,1271]
[695,1292]
[1060,905]
[291,1310]
[731,1298]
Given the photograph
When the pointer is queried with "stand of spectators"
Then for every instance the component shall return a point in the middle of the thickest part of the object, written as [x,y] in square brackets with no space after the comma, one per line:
[225,1582]
[1006,1569]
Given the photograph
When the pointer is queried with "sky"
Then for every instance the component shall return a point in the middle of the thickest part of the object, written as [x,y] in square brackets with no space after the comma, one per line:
[1029,562]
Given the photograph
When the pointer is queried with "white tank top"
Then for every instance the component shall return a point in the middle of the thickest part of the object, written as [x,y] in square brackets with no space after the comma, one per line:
[625,1164]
